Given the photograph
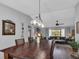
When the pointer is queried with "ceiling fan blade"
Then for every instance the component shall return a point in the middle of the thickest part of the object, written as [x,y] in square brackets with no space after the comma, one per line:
[58,23]
[61,24]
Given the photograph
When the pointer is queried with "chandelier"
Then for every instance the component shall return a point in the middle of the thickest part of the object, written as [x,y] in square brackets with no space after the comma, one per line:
[38,21]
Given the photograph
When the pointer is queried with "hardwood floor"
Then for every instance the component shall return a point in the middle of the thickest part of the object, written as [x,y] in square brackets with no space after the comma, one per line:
[62,52]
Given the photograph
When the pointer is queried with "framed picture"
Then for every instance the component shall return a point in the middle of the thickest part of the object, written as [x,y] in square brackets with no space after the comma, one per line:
[77,27]
[8,27]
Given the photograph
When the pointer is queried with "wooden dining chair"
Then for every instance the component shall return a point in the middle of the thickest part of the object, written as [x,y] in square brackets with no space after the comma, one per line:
[30,39]
[52,49]
[19,42]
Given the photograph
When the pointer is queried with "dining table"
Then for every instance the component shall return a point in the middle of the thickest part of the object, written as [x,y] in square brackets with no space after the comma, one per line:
[28,50]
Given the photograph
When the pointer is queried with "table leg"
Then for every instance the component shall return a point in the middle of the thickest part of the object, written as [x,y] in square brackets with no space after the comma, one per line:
[7,56]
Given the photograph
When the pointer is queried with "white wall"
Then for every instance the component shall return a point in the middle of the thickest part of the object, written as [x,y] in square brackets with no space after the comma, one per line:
[17,18]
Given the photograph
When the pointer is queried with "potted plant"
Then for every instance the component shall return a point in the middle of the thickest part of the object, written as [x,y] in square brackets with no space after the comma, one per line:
[75,46]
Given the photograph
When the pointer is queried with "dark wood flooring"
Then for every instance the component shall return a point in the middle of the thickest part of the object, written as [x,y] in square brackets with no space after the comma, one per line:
[62,51]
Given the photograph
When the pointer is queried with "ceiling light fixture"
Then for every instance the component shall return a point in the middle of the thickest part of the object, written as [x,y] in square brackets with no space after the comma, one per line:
[38,21]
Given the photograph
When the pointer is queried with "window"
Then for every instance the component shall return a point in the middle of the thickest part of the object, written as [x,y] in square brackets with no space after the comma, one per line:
[62,32]
[57,32]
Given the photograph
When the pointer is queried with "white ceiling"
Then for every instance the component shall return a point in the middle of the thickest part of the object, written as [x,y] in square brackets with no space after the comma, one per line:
[51,10]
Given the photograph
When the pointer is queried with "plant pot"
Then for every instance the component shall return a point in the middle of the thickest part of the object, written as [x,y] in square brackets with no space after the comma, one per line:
[75,49]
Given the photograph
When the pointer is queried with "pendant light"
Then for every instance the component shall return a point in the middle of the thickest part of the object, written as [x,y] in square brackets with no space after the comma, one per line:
[38,21]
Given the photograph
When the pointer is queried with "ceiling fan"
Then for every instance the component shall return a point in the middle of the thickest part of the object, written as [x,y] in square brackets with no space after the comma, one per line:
[57,23]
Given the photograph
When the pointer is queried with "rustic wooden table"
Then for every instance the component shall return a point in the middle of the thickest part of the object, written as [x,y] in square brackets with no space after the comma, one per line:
[30,50]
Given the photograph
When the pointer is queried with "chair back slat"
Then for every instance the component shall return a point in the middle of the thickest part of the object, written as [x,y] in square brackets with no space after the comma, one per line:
[19,42]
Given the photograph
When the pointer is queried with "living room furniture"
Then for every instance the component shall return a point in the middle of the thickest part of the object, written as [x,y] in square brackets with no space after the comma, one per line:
[60,41]
[54,37]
